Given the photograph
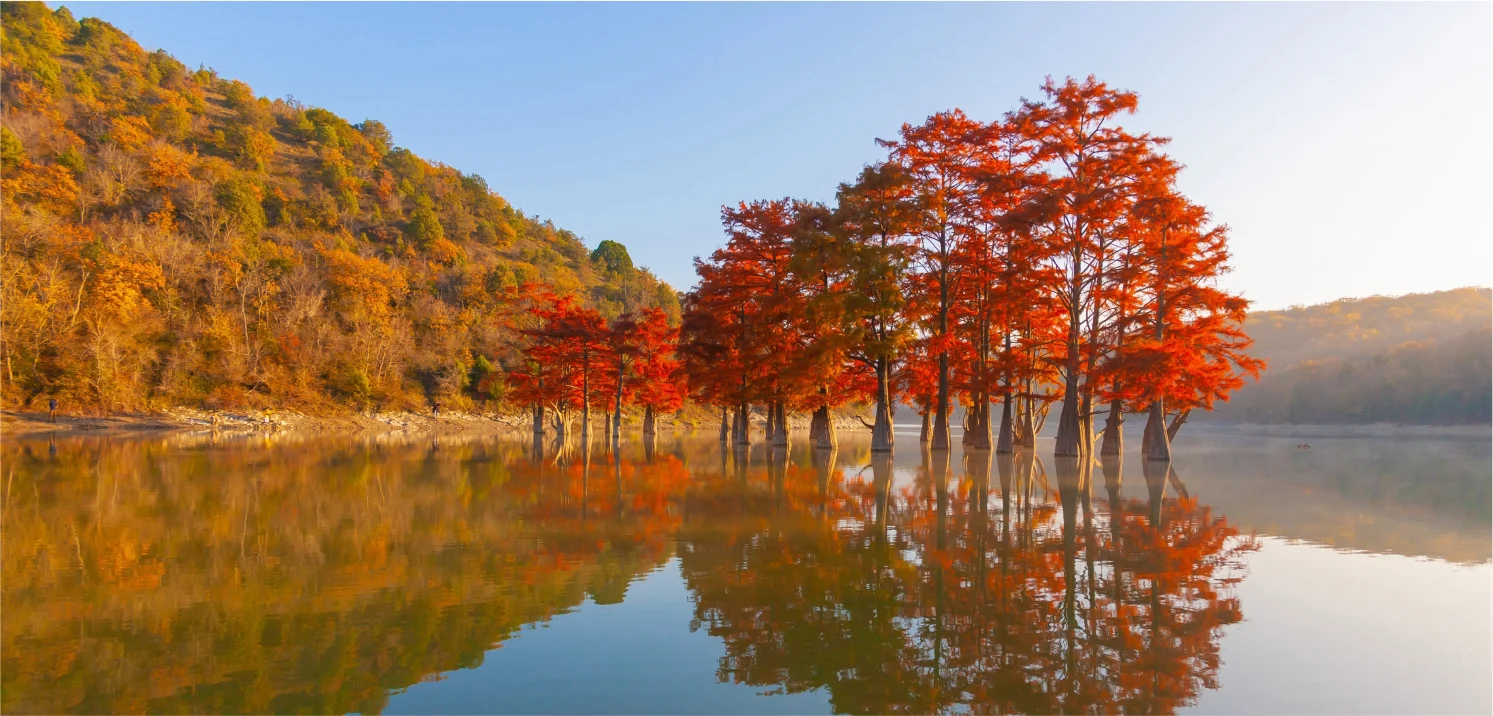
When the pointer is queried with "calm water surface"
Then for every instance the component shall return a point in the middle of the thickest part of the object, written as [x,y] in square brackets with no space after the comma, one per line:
[192,575]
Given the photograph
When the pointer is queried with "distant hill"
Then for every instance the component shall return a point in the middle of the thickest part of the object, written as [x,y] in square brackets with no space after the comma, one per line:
[171,238]
[1423,358]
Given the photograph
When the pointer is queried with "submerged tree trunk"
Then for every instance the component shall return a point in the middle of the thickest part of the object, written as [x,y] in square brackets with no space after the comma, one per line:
[538,420]
[940,438]
[1158,447]
[1086,421]
[780,415]
[648,429]
[1113,441]
[1029,424]
[822,430]
[741,425]
[585,399]
[881,431]
[617,410]
[925,435]
[977,423]
[1006,440]
[1069,441]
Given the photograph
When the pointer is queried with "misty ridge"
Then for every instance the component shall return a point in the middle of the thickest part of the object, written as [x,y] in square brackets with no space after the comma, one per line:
[1422,359]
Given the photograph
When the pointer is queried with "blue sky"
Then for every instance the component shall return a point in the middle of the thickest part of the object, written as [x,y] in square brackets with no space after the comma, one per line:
[1347,145]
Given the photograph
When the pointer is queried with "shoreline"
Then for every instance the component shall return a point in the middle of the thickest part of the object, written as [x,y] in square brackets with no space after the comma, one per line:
[23,424]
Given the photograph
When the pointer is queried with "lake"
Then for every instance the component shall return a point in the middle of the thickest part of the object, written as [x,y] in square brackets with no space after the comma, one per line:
[192,574]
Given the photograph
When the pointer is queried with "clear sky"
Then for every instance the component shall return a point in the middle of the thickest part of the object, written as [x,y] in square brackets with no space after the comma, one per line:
[1347,145]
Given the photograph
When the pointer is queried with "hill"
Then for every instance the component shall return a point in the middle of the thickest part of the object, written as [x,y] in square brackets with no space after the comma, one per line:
[1424,358]
[173,239]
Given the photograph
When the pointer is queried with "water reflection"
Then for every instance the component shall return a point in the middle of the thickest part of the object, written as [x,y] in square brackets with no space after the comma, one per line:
[938,596]
[183,575]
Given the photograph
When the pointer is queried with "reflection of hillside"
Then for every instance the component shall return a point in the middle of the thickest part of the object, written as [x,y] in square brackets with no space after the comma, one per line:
[952,593]
[1415,497]
[299,578]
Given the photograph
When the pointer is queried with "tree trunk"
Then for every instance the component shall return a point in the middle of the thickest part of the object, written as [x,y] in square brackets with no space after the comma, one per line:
[1006,439]
[1069,442]
[1158,447]
[822,430]
[977,424]
[1176,426]
[586,399]
[780,411]
[725,426]
[538,420]
[648,429]
[1113,441]
[1086,421]
[924,436]
[940,439]
[1029,424]
[743,425]
[881,431]
[617,411]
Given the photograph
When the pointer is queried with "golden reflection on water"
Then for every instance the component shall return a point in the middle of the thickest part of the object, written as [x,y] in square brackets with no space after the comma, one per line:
[188,574]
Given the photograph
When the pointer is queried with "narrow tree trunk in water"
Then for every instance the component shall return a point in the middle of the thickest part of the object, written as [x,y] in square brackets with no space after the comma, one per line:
[881,431]
[538,420]
[586,399]
[1086,421]
[1113,441]
[781,436]
[927,427]
[1158,447]
[743,425]
[725,426]
[1006,441]
[617,410]
[977,434]
[822,430]
[940,439]
[1069,442]
[648,430]
[1029,425]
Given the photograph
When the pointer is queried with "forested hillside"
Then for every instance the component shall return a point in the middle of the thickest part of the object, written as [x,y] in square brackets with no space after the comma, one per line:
[170,238]
[1424,358]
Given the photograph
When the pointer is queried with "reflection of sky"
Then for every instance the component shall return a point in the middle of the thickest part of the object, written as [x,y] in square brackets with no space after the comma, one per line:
[1328,632]
[635,657]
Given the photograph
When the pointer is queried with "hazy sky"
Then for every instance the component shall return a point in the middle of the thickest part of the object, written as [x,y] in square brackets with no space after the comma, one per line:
[1347,145]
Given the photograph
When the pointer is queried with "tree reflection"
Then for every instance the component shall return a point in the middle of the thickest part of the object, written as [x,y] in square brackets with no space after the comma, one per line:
[145,577]
[920,600]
